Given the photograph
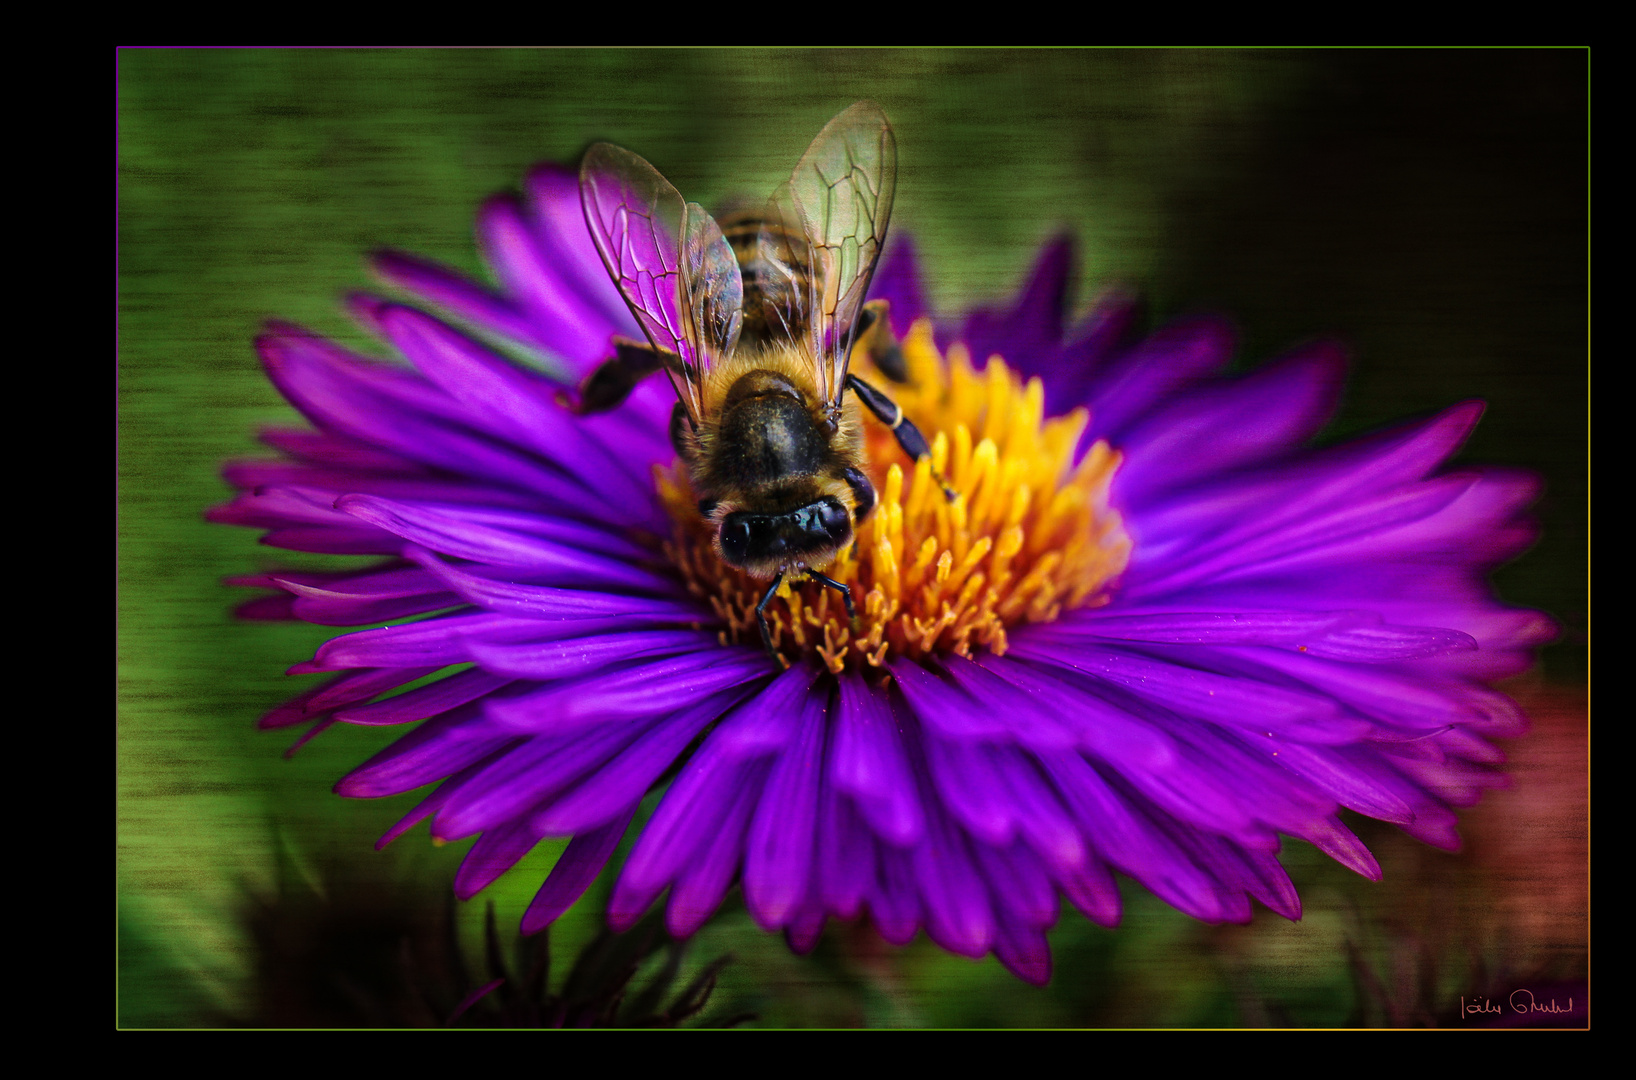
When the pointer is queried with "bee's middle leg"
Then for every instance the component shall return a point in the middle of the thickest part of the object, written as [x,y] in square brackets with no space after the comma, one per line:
[875,337]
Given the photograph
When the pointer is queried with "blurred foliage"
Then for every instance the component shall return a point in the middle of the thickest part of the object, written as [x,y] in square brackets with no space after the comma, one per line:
[1428,207]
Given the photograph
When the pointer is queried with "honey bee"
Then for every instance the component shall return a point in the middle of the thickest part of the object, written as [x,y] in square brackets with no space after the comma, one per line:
[754,326]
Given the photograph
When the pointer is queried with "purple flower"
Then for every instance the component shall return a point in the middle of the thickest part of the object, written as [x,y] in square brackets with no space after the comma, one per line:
[1155,632]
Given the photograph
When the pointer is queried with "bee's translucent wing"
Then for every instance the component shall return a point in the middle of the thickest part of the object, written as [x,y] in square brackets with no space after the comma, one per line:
[841,192]
[670,263]
[788,289]
[711,296]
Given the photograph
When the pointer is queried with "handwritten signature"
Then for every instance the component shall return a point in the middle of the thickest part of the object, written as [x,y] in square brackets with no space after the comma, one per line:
[1520,1000]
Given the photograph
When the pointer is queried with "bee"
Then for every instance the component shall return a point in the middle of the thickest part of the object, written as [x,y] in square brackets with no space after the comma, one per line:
[754,326]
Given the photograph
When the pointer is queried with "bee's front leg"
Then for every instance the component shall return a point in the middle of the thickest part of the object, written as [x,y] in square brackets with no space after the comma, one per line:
[844,590]
[761,619]
[611,382]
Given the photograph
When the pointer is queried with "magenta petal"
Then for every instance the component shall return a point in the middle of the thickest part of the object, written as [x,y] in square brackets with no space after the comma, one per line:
[846,860]
[867,762]
[781,845]
[627,694]
[703,882]
[495,852]
[1170,360]
[437,749]
[354,686]
[448,290]
[959,916]
[430,643]
[1239,423]
[626,777]
[576,869]
[424,701]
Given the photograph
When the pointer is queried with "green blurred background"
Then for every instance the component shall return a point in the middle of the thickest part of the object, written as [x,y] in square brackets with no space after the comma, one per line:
[1428,207]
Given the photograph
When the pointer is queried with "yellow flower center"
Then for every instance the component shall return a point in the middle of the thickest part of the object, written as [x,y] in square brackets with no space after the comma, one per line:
[1029,535]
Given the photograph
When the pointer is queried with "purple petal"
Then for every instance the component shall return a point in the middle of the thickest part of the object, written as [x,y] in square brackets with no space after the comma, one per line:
[1174,357]
[367,598]
[450,536]
[1024,951]
[1220,699]
[547,604]
[1029,332]
[846,856]
[711,792]
[1231,425]
[434,643]
[449,290]
[557,215]
[502,398]
[424,701]
[529,775]
[577,657]
[894,903]
[1129,841]
[780,848]
[766,723]
[1077,367]
[897,281]
[637,692]
[495,852]
[345,689]
[705,878]
[1092,889]
[626,778]
[944,708]
[442,746]
[957,909]
[560,319]
[576,869]
[867,762]
[1339,843]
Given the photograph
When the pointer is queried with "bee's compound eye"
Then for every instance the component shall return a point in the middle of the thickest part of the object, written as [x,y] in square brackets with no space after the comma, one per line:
[829,518]
[735,538]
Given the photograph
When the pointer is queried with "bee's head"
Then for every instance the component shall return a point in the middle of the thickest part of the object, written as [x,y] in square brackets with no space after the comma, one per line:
[763,544]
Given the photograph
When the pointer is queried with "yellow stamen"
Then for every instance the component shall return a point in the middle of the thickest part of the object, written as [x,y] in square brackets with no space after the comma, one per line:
[1029,536]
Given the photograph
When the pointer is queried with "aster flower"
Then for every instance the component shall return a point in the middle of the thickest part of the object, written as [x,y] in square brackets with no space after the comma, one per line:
[1155,632]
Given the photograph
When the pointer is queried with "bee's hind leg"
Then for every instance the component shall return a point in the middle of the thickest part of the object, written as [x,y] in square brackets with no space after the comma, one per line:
[889,413]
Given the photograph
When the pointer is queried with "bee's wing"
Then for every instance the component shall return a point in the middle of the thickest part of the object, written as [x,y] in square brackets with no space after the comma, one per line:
[841,192]
[670,263]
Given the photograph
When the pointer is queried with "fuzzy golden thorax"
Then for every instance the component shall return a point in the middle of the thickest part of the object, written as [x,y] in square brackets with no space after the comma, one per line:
[767,448]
